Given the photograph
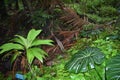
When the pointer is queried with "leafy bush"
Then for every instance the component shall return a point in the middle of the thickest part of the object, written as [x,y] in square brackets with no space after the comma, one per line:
[98,19]
[107,11]
[40,18]
[79,45]
[34,75]
[90,31]
[99,11]
[108,47]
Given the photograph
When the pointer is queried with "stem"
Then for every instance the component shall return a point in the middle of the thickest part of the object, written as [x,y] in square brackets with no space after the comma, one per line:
[98,74]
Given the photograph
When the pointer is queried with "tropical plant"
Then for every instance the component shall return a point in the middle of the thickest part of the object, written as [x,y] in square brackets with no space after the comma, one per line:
[84,60]
[26,48]
[113,68]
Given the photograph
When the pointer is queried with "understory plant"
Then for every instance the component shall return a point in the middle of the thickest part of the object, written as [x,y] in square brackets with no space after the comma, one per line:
[36,72]
[25,49]
[86,60]
[96,62]
[57,71]
[108,47]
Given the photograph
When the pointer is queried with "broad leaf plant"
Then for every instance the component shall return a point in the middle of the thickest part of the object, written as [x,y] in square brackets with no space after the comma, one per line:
[28,48]
[84,60]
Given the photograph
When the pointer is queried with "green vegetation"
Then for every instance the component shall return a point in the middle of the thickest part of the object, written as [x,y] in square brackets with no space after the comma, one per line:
[86,36]
[27,48]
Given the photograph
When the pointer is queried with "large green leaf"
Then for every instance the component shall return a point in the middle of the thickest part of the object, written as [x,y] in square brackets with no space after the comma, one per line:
[10,46]
[18,40]
[83,60]
[30,56]
[113,68]
[38,53]
[32,35]
[41,42]
[35,52]
[22,41]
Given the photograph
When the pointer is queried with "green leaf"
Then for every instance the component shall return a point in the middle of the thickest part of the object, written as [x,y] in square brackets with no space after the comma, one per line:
[113,68]
[33,34]
[38,53]
[41,42]
[30,56]
[24,41]
[35,52]
[18,40]
[83,60]
[10,46]
[15,55]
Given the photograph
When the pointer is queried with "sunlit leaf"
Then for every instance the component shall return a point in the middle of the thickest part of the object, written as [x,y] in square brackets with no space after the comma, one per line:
[24,41]
[39,56]
[38,53]
[42,42]
[83,60]
[18,40]
[33,34]
[30,56]
[10,46]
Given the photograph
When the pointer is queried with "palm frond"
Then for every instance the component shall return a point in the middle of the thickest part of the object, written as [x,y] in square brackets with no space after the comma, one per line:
[70,17]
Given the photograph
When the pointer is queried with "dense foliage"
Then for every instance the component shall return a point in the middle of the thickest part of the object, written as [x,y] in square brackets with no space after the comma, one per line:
[86,36]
